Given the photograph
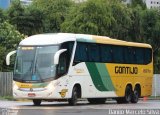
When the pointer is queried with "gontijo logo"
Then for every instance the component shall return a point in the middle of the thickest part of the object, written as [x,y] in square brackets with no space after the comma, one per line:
[126,70]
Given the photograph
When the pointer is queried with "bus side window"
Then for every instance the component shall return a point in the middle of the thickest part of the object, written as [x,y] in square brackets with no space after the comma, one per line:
[93,53]
[118,54]
[106,53]
[80,53]
[147,56]
[68,53]
[62,66]
[129,55]
[139,56]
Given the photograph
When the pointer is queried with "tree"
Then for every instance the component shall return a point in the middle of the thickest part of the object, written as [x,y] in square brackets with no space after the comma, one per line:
[151,33]
[135,31]
[54,11]
[9,39]
[141,3]
[16,15]
[151,28]
[33,21]
[2,16]
[122,21]
[27,20]
[100,17]
[91,17]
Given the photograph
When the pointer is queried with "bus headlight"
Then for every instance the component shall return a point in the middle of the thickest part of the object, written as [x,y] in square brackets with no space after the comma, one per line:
[15,85]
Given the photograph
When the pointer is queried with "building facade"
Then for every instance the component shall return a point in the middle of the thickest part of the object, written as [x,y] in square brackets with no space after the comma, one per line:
[26,2]
[150,4]
[153,4]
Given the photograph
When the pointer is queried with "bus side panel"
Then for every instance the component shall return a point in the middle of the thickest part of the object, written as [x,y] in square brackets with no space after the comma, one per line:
[94,80]
[124,74]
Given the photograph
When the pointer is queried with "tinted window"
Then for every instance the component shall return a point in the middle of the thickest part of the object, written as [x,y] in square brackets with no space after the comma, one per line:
[89,52]
[81,52]
[65,58]
[129,55]
[139,56]
[147,56]
[106,53]
[68,46]
[118,54]
[93,53]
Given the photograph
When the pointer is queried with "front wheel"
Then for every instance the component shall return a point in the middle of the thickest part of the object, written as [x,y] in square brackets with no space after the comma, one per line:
[37,102]
[74,98]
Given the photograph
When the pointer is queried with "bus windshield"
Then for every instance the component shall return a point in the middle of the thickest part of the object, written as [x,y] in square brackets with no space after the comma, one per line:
[34,64]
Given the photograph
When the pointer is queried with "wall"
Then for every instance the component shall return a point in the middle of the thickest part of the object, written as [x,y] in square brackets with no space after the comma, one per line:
[6,83]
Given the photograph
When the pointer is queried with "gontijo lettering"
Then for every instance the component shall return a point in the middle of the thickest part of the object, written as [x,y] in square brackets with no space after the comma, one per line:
[126,70]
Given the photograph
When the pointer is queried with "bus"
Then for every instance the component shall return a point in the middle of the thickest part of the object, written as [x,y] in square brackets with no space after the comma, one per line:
[71,67]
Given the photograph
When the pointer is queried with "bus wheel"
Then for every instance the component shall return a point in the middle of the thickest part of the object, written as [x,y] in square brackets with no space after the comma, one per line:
[128,94]
[73,100]
[96,100]
[37,102]
[135,95]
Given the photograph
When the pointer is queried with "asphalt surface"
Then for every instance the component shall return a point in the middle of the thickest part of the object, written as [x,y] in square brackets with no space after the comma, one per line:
[147,107]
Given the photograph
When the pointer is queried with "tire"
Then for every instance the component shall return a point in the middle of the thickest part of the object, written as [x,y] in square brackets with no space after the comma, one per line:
[74,98]
[37,102]
[127,98]
[135,96]
[128,94]
[97,100]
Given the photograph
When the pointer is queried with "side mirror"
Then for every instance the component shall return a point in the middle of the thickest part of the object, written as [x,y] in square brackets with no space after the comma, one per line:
[8,57]
[57,54]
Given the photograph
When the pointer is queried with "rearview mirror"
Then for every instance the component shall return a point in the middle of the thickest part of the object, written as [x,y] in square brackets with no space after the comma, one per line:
[8,57]
[57,54]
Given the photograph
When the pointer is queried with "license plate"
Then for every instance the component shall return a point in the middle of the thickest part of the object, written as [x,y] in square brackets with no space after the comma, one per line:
[31,94]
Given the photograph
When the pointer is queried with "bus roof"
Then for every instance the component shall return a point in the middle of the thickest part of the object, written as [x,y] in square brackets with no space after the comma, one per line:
[57,38]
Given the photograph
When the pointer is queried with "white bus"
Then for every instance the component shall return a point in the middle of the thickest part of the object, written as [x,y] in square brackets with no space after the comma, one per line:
[67,67]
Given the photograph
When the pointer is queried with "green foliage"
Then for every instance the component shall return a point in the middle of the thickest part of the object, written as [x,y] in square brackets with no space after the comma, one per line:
[151,33]
[16,15]
[9,98]
[151,26]
[140,3]
[54,11]
[27,20]
[122,21]
[100,17]
[135,31]
[91,17]
[9,39]
[2,16]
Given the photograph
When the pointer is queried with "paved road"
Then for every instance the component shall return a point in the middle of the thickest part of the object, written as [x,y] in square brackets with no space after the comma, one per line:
[151,107]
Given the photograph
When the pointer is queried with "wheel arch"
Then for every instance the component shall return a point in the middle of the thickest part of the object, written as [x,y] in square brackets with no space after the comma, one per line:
[78,86]
[130,85]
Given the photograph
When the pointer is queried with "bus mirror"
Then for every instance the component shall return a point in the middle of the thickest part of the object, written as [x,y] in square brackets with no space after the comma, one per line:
[57,54]
[8,57]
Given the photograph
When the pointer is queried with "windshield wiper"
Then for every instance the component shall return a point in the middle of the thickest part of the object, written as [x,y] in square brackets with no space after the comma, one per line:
[37,71]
